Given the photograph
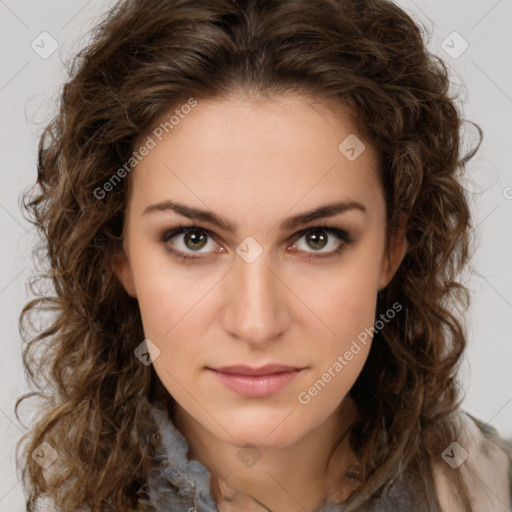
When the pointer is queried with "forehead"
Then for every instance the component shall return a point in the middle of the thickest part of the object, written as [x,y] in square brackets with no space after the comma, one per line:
[256,155]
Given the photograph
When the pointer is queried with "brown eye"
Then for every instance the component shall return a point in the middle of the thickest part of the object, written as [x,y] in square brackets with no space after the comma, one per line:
[185,241]
[195,239]
[317,238]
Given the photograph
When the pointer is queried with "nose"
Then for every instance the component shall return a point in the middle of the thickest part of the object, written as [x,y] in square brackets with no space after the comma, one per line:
[256,309]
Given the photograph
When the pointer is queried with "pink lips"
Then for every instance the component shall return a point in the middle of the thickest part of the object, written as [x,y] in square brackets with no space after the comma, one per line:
[256,382]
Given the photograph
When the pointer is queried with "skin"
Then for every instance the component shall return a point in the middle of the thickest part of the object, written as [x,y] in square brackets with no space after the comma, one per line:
[256,163]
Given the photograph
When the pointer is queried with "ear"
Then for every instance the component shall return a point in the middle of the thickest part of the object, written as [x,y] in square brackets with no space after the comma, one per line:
[123,271]
[395,254]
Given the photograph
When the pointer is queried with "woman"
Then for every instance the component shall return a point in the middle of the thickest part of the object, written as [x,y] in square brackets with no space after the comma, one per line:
[255,227]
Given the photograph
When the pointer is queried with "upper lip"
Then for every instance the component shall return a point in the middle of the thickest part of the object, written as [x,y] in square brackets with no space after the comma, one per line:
[262,370]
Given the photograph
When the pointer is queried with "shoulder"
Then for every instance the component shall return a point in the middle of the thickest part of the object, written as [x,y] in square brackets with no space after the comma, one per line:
[484,460]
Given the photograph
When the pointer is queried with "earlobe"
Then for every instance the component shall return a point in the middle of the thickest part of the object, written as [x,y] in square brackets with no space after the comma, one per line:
[395,255]
[122,270]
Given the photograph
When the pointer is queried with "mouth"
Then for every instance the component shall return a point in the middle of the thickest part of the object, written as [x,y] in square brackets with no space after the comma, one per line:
[268,369]
[256,382]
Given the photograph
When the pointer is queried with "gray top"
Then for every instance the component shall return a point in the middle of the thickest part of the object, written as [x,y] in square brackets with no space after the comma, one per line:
[182,485]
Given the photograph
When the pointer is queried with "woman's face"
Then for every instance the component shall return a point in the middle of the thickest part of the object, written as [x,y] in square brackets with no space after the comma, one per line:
[266,285]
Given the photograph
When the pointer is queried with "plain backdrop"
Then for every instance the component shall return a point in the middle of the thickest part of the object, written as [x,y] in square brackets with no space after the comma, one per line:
[474,39]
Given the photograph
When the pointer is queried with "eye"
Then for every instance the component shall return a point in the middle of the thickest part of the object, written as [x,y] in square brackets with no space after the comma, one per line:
[191,240]
[320,237]
[194,239]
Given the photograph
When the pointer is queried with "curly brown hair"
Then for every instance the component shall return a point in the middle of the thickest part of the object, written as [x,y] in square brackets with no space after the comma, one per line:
[146,56]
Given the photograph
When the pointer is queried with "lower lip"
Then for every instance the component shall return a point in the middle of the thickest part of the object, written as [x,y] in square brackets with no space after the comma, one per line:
[256,386]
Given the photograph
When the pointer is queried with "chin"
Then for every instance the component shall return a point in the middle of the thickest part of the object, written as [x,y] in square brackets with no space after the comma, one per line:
[261,442]
[263,434]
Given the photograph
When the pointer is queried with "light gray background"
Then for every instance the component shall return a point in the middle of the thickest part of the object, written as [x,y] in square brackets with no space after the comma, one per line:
[29,85]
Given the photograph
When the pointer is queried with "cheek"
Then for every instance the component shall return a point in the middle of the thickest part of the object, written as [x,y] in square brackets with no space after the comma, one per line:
[344,305]
[341,343]
[171,322]
[168,297]
[172,309]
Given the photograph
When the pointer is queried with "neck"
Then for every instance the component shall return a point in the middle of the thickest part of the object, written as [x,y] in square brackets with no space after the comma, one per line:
[297,477]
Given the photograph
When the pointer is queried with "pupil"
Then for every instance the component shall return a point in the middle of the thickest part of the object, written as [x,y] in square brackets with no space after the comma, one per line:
[195,238]
[317,235]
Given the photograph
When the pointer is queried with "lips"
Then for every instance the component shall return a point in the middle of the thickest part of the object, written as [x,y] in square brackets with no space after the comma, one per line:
[252,382]
[268,369]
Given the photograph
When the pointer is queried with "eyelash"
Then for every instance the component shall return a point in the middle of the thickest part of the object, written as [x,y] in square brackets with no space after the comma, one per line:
[180,229]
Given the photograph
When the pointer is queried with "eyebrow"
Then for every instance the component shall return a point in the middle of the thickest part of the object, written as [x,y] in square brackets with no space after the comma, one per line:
[326,210]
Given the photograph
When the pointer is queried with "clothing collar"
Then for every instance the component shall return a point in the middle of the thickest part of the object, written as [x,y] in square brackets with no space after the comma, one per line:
[180,484]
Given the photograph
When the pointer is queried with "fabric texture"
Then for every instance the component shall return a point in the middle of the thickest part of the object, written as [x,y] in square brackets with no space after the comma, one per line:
[183,485]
